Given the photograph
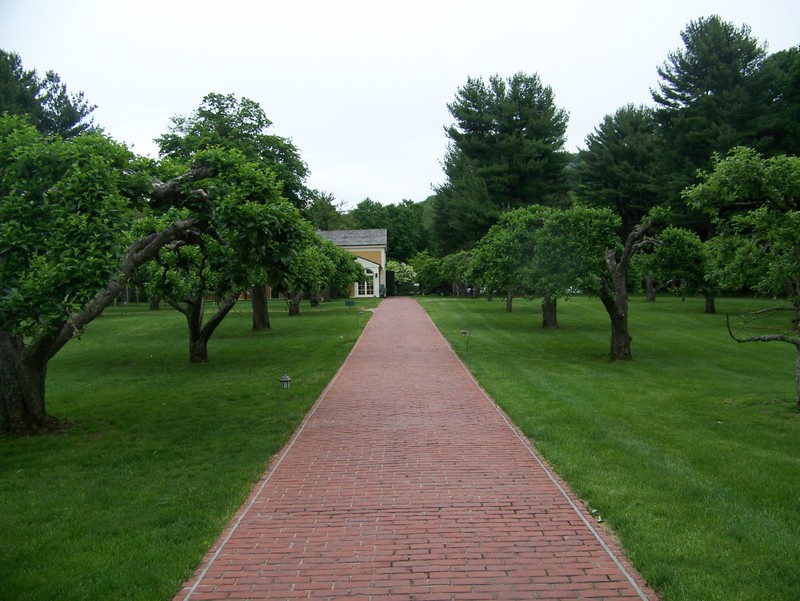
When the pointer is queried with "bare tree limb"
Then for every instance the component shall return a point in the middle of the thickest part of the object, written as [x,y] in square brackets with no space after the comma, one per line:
[766,338]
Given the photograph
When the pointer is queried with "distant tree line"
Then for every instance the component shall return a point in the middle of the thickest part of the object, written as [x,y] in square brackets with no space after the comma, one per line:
[698,194]
[719,91]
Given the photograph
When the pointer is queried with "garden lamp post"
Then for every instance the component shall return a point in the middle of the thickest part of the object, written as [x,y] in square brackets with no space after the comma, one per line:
[283,382]
[465,334]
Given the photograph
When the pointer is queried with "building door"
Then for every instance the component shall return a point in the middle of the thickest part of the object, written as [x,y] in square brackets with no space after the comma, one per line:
[366,287]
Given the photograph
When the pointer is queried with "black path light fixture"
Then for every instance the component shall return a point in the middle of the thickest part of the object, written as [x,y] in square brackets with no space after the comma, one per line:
[359,315]
[465,335]
[283,382]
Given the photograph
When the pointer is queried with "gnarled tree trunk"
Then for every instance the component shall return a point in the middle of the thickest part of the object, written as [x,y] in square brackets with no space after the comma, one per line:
[614,296]
[258,299]
[549,313]
[620,349]
[650,289]
[509,299]
[198,345]
[294,303]
[711,307]
[200,334]
[614,293]
[22,381]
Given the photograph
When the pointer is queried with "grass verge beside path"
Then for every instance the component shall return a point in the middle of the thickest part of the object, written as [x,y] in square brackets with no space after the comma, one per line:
[159,453]
[690,452]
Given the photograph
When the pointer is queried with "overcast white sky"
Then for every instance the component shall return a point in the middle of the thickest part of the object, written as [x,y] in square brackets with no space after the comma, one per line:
[361,87]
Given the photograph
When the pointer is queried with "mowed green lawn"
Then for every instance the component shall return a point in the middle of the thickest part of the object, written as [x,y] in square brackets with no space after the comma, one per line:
[159,453]
[690,452]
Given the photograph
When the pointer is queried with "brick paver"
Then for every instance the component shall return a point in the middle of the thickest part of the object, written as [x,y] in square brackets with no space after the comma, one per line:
[406,482]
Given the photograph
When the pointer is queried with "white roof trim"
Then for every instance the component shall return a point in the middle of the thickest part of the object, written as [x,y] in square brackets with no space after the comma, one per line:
[367,263]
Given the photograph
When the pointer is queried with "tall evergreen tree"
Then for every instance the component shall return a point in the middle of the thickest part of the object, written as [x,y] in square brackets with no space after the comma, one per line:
[620,167]
[46,102]
[513,134]
[710,97]
[462,209]
[780,131]
[507,151]
[325,213]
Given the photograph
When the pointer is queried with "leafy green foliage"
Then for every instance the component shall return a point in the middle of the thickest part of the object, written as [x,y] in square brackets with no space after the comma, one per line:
[232,124]
[325,213]
[402,222]
[252,233]
[569,250]
[64,216]
[429,273]
[781,123]
[320,265]
[545,252]
[406,234]
[506,152]
[403,272]
[504,255]
[679,262]
[756,204]
[457,270]
[462,209]
[369,214]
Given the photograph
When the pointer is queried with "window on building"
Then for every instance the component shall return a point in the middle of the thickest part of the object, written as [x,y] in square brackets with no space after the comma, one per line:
[366,287]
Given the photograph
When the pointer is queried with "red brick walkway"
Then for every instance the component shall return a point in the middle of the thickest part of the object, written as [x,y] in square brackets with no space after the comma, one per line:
[406,482]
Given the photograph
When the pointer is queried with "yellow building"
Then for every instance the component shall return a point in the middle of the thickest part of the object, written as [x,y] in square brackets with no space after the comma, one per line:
[369,247]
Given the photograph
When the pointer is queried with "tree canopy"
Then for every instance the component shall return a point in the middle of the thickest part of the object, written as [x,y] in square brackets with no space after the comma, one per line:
[225,121]
[66,214]
[506,151]
[755,202]
[711,96]
[462,210]
[63,219]
[621,166]
[503,257]
[513,134]
[256,234]
[679,261]
[320,266]
[45,101]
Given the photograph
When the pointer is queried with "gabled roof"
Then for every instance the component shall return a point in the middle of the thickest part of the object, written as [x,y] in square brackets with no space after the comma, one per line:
[355,237]
[367,262]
